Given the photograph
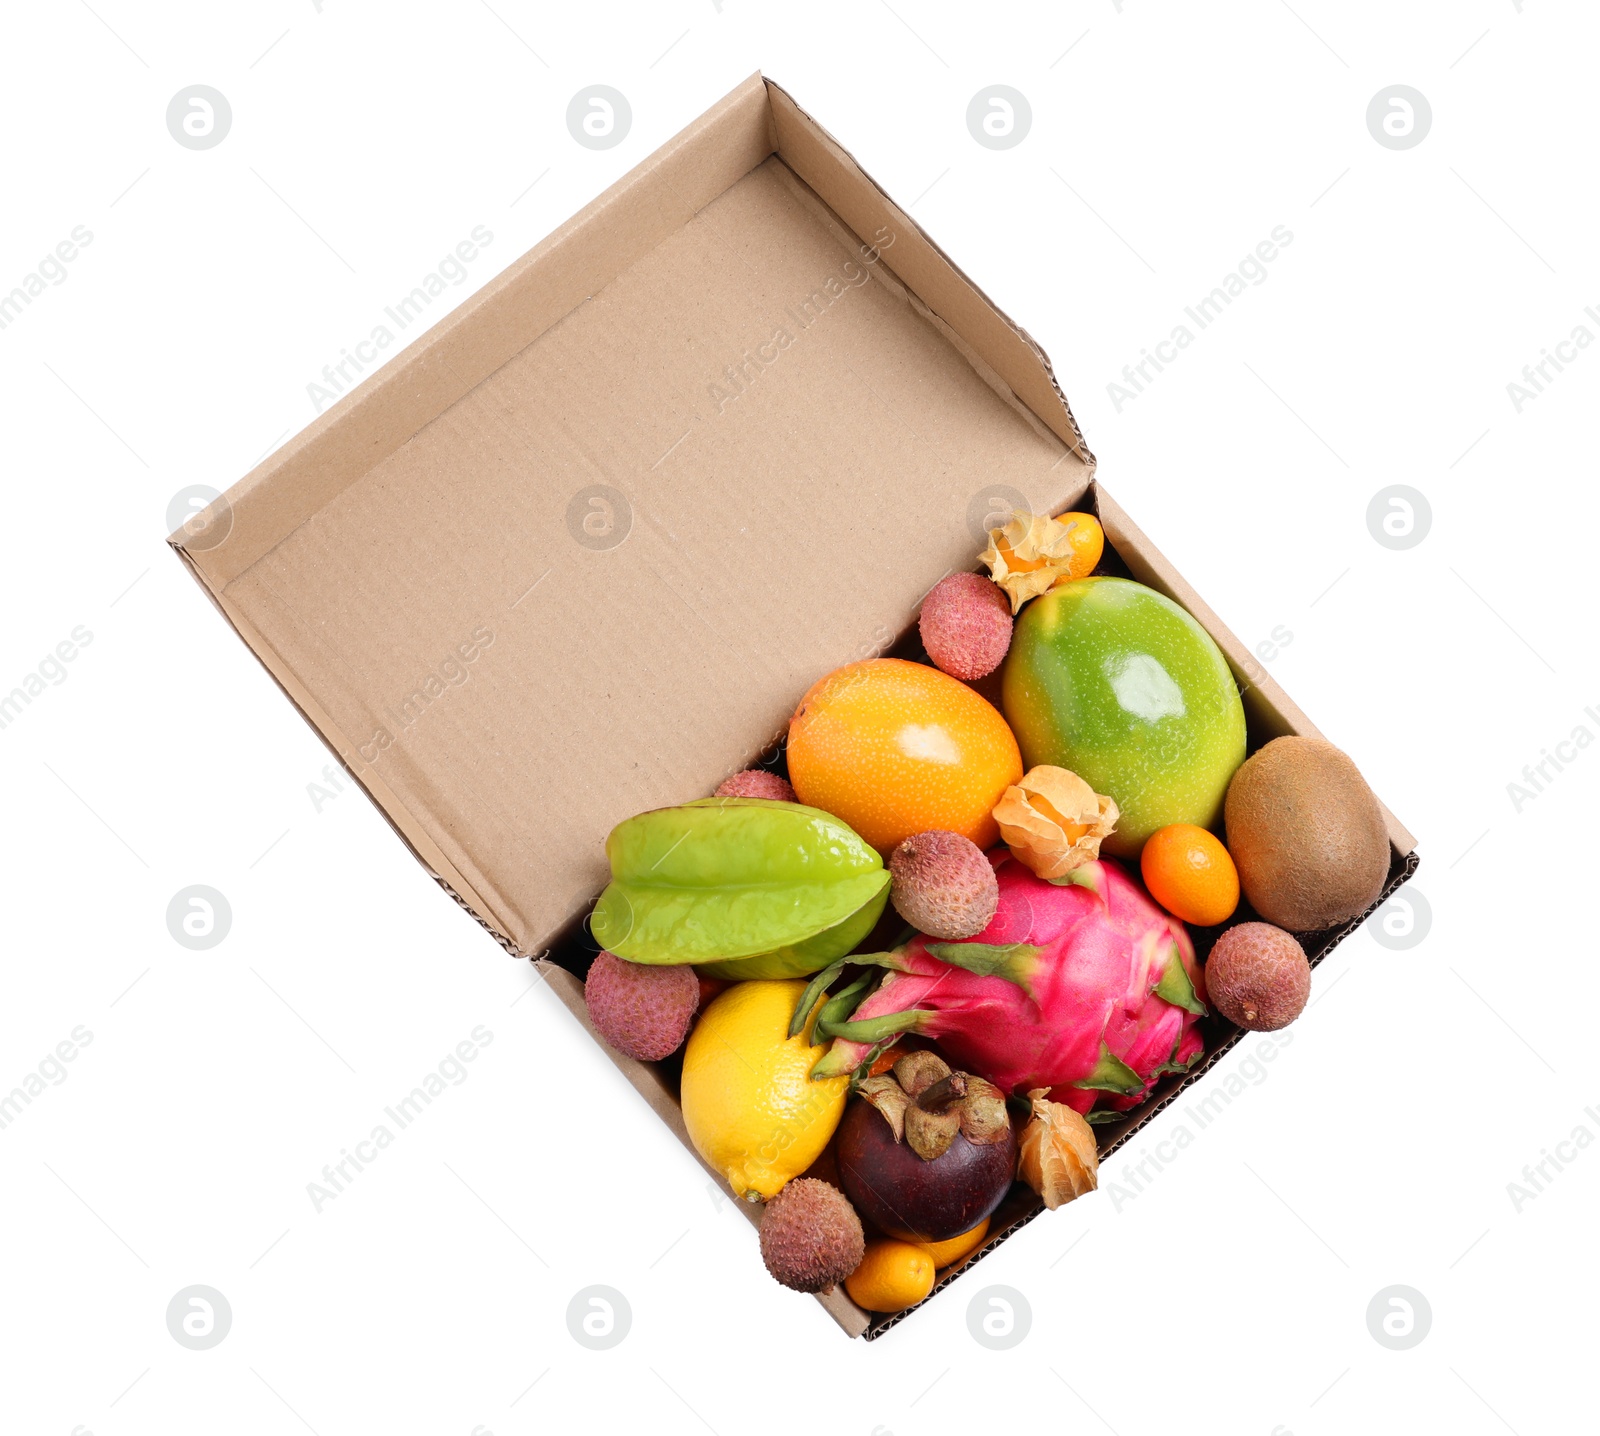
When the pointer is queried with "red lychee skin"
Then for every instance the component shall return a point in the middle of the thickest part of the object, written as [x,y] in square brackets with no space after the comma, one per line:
[966,625]
[756,783]
[943,885]
[643,1012]
[1258,977]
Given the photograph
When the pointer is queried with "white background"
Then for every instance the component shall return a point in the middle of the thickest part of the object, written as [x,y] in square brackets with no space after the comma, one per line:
[1168,139]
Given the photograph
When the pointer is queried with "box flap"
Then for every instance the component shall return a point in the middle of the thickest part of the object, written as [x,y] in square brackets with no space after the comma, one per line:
[579,550]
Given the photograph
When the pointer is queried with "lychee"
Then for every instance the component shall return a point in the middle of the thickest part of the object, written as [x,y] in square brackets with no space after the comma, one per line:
[811,1237]
[642,1011]
[756,783]
[943,885]
[1258,977]
[966,625]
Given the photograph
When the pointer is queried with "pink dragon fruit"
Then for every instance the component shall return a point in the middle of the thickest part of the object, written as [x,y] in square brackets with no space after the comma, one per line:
[1084,987]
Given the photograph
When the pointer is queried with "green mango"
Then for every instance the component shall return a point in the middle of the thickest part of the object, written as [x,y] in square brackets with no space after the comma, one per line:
[1117,683]
[740,887]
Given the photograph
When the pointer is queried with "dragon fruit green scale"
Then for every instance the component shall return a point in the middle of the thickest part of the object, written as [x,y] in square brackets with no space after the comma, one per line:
[1084,987]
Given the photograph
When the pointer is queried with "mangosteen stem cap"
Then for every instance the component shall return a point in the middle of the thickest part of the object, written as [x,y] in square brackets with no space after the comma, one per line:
[944,1094]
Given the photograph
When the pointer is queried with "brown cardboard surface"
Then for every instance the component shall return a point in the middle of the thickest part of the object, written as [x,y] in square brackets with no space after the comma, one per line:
[558,275]
[816,157]
[756,368]
[768,400]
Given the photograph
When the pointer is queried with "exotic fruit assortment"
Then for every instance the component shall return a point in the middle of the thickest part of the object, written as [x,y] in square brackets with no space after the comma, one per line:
[924,970]
[1085,988]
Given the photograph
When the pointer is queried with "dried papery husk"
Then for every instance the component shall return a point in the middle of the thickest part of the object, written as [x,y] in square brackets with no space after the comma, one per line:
[890,1098]
[1058,1159]
[1053,821]
[984,1119]
[926,1105]
[1030,554]
[919,1070]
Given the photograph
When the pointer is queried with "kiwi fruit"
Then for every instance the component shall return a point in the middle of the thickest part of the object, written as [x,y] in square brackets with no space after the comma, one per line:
[1307,835]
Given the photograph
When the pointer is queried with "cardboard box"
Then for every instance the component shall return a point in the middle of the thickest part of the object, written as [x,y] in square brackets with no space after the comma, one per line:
[578,551]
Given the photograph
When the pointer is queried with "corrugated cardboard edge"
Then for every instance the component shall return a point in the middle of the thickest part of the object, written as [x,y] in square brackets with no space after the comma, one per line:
[925,269]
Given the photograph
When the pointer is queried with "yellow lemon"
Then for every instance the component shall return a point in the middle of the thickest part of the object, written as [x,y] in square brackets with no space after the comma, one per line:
[749,1103]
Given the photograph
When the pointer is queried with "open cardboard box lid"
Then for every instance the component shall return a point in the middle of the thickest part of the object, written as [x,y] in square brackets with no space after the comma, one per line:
[579,550]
